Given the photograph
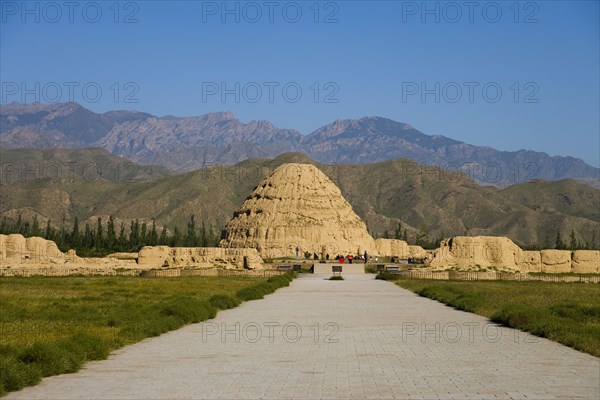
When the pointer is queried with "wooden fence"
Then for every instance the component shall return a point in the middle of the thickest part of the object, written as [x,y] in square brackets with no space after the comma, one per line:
[178,272]
[153,273]
[165,273]
[29,272]
[497,276]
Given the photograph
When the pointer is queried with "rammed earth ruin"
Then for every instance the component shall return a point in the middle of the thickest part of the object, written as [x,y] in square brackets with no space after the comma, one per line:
[298,209]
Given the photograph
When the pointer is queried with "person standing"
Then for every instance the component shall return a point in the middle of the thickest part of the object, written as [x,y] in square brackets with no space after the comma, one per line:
[366,257]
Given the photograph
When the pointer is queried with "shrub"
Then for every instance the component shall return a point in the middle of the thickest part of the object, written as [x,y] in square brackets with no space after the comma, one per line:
[255,292]
[452,297]
[189,310]
[45,355]
[371,269]
[386,276]
[64,356]
[575,311]
[15,374]
[223,301]
[336,278]
[259,291]
[525,317]
[91,347]
[281,280]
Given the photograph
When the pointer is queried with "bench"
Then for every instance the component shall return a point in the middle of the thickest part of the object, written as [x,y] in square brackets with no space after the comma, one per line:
[393,268]
[336,269]
[284,268]
[380,267]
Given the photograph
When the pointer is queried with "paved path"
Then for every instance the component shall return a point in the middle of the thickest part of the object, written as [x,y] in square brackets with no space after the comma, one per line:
[360,338]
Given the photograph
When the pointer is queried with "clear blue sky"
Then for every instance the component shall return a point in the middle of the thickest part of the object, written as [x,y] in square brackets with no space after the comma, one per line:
[374,58]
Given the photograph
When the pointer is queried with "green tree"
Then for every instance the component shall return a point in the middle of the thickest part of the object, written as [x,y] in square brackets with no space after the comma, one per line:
[88,237]
[134,235]
[176,239]
[48,235]
[153,237]
[558,243]
[122,240]
[573,245]
[143,234]
[4,226]
[111,234]
[203,236]
[35,227]
[163,240]
[423,237]
[75,235]
[398,231]
[212,239]
[547,242]
[99,242]
[190,238]
[19,225]
[25,229]
[62,238]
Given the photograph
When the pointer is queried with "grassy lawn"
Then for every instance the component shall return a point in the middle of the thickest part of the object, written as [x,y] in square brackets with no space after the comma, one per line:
[53,325]
[568,313]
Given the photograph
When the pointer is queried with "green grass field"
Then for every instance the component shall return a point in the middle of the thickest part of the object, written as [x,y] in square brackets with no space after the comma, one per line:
[53,325]
[568,313]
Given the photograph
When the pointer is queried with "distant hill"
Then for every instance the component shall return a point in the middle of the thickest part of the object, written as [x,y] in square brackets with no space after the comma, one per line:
[432,201]
[27,164]
[188,143]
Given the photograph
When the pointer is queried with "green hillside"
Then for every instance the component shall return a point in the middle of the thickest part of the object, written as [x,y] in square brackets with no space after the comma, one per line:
[428,202]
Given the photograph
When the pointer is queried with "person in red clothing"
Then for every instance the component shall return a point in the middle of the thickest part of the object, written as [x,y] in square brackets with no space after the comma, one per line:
[349,257]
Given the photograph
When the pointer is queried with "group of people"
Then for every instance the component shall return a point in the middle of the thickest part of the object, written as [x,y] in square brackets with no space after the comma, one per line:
[340,257]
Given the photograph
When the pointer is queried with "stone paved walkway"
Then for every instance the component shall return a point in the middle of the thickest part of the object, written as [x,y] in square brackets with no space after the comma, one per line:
[357,339]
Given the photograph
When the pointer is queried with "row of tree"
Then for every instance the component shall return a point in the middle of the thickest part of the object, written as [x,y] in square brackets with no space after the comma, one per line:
[102,239]
[573,243]
[561,243]
[423,239]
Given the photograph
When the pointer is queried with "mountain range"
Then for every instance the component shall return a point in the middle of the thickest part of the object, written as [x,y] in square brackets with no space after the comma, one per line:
[430,201]
[187,143]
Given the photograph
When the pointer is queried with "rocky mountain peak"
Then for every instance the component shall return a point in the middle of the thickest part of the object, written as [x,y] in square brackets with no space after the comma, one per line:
[187,143]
